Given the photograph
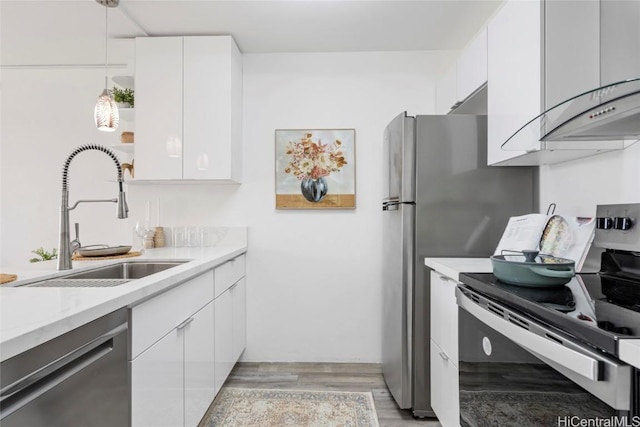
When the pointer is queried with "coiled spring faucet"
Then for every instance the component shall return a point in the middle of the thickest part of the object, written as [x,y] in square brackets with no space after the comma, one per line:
[65,248]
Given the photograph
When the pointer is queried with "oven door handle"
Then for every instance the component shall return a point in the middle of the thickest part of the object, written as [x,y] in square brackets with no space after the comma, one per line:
[579,362]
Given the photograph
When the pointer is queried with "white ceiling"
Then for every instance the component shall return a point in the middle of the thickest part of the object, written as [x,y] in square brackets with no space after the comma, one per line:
[72,31]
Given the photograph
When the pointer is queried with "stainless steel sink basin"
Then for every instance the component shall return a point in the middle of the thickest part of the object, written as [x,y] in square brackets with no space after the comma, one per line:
[110,275]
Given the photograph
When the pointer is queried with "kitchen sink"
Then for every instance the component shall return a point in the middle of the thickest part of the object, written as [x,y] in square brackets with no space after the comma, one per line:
[107,276]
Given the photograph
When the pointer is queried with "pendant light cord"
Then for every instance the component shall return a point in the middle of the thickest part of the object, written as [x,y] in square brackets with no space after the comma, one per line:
[106,47]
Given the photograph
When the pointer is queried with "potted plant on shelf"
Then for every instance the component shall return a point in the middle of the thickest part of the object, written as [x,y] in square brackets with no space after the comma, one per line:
[123,97]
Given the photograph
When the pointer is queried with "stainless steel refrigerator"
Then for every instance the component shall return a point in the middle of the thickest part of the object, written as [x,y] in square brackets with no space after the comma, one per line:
[441,200]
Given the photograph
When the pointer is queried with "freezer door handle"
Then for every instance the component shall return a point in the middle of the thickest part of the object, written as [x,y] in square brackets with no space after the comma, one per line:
[392,205]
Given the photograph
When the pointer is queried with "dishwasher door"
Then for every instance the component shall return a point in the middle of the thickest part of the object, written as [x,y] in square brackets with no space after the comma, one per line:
[78,379]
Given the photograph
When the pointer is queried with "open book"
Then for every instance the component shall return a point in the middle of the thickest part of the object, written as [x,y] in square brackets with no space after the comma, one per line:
[560,236]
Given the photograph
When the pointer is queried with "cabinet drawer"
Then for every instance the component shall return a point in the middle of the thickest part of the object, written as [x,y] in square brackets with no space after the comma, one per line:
[154,318]
[229,273]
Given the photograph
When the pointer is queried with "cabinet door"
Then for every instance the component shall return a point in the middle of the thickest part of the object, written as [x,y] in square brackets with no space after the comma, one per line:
[239,292]
[444,315]
[212,108]
[571,49]
[199,359]
[445,395]
[620,23]
[157,381]
[159,139]
[472,66]
[223,338]
[514,66]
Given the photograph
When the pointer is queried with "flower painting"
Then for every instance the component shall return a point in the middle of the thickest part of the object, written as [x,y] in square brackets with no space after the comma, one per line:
[315,169]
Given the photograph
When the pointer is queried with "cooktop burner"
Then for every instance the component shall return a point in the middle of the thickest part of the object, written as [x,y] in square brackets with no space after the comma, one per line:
[595,308]
[598,309]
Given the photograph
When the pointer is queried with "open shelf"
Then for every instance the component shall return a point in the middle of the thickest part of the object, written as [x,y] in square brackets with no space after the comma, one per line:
[127,113]
[126,148]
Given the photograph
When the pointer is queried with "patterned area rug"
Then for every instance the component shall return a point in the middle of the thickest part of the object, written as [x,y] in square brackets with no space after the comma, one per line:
[243,407]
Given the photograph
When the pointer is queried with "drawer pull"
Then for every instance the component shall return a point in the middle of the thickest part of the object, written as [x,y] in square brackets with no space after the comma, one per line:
[444,355]
[185,323]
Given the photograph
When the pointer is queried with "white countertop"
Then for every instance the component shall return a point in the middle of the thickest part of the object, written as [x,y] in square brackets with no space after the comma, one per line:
[452,267]
[32,315]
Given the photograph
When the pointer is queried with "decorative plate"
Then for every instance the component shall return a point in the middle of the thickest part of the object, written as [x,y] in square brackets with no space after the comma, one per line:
[103,250]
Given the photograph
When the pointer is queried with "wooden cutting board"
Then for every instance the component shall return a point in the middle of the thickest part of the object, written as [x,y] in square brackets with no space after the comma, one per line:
[6,278]
[77,257]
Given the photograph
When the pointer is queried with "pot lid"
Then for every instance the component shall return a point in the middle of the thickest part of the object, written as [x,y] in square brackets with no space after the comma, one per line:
[609,113]
[533,258]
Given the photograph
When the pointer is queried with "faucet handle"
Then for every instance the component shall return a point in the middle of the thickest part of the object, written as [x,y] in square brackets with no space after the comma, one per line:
[75,244]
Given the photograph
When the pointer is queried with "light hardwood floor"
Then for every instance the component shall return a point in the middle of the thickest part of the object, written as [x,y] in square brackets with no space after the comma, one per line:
[328,376]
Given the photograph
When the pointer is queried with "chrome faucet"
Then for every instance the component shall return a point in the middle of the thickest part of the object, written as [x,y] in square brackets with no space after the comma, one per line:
[65,247]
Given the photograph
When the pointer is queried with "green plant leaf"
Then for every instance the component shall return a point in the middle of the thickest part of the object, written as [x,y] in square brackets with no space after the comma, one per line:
[44,255]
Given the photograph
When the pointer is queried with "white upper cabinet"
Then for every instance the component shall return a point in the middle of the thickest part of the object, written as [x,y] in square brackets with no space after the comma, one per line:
[540,53]
[471,70]
[514,72]
[158,151]
[571,50]
[620,41]
[188,108]
[465,76]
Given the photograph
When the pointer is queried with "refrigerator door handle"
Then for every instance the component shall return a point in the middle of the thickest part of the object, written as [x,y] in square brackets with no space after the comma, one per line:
[394,204]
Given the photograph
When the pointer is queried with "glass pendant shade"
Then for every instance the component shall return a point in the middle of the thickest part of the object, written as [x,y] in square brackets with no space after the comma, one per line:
[106,112]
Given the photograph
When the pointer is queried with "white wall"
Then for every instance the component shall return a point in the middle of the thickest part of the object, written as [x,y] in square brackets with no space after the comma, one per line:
[46,113]
[313,277]
[578,186]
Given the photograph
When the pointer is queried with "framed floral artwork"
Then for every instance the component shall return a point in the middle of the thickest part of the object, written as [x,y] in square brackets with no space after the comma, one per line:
[315,169]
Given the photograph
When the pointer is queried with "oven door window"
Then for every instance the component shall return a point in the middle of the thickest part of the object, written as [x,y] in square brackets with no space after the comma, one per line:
[501,384]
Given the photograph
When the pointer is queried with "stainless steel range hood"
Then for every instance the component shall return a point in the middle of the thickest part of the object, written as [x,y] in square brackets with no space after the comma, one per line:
[608,113]
[604,119]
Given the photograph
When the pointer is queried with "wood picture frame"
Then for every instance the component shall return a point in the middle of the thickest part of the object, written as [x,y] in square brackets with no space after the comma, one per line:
[315,168]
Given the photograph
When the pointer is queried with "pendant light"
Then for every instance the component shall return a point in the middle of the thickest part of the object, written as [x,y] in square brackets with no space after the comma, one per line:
[106,111]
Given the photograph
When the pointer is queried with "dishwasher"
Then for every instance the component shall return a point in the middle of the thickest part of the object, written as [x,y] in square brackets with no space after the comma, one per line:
[80,378]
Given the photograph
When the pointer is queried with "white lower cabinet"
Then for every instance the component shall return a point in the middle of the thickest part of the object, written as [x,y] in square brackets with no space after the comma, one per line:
[230,329]
[444,387]
[157,378]
[223,337]
[199,365]
[239,297]
[444,350]
[184,344]
[173,380]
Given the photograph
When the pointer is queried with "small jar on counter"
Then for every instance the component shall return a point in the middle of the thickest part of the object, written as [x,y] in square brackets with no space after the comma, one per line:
[158,237]
[147,243]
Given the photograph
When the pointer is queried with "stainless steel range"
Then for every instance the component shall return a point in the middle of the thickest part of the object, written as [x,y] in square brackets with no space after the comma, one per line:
[533,356]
